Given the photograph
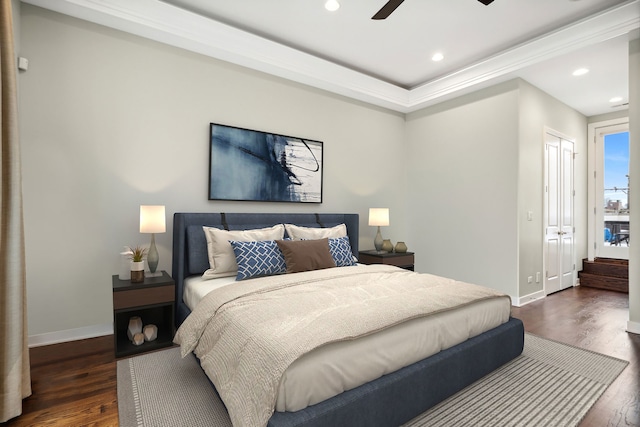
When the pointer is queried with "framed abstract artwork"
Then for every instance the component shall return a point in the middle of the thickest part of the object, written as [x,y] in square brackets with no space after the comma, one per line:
[260,166]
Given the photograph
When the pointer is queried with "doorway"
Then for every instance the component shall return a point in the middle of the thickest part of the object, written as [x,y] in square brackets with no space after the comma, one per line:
[559,264]
[609,191]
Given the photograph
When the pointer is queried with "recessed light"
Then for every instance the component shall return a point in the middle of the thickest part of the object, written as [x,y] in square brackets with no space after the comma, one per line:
[437,57]
[615,99]
[580,71]
[332,5]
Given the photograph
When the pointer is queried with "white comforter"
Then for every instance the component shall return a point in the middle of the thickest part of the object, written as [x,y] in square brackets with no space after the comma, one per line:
[248,334]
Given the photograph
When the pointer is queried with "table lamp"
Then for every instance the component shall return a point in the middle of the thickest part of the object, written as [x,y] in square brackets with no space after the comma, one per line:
[152,220]
[378,217]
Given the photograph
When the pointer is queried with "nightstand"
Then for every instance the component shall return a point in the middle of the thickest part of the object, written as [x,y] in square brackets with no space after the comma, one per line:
[151,300]
[403,260]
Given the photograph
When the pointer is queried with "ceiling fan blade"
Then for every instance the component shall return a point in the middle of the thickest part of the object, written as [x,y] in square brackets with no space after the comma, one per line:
[486,2]
[388,9]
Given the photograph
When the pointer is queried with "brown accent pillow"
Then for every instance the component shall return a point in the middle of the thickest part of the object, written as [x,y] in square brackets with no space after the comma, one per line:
[306,255]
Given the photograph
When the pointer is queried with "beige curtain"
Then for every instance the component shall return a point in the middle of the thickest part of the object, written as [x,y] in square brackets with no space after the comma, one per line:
[14,352]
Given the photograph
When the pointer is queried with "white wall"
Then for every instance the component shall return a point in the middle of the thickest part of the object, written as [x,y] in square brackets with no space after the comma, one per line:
[110,121]
[462,163]
[634,181]
[608,116]
[540,112]
[475,165]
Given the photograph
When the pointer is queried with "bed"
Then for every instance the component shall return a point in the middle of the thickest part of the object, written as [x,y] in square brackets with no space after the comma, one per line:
[393,398]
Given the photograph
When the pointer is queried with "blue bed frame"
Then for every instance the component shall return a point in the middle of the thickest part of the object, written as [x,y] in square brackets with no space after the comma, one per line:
[388,401]
[190,245]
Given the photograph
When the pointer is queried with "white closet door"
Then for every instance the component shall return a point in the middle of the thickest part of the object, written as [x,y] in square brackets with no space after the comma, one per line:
[558,208]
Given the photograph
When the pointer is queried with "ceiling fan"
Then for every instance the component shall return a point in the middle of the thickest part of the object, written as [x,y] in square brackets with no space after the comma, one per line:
[392,5]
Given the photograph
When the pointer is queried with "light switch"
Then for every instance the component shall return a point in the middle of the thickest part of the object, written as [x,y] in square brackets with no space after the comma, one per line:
[23,63]
[529,215]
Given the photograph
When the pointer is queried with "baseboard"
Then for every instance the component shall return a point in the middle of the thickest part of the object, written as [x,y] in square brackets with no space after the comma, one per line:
[633,327]
[70,335]
[520,301]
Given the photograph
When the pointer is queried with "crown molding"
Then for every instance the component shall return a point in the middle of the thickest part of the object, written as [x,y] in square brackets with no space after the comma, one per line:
[595,29]
[177,27]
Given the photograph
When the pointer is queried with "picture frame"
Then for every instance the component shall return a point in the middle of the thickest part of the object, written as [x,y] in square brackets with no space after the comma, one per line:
[253,165]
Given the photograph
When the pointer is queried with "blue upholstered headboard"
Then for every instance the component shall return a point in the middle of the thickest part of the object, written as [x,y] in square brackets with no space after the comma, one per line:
[190,245]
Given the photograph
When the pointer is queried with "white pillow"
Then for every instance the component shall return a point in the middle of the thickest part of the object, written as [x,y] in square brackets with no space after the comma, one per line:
[222,259]
[299,233]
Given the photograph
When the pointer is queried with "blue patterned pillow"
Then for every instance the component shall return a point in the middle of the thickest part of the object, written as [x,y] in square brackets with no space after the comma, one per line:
[259,258]
[340,250]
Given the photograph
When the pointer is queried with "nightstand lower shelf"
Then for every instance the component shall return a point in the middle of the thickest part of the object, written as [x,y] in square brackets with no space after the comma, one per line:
[160,315]
[127,348]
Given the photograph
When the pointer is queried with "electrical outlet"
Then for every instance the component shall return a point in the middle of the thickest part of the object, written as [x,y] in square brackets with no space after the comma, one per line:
[530,279]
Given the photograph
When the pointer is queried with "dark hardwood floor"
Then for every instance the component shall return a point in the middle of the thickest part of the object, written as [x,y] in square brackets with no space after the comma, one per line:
[74,384]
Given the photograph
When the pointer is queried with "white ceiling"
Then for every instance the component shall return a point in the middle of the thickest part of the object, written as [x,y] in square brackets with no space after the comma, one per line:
[388,63]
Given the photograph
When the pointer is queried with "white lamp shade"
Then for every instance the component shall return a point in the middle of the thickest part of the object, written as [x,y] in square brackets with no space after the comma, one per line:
[379,216]
[152,219]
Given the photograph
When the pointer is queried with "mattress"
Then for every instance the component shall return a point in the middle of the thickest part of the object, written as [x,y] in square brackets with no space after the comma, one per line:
[196,288]
[331,369]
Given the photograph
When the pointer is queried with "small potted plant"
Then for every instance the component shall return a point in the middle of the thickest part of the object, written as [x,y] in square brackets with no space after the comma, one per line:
[137,264]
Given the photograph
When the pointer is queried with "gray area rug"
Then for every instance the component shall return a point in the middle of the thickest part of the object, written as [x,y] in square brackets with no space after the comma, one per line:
[550,384]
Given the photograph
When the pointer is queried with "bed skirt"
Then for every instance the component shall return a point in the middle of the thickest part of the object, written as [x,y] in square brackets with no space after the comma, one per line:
[396,398]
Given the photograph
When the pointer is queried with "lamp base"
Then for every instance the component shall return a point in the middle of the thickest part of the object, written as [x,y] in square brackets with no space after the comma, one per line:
[377,242]
[152,256]
[154,274]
